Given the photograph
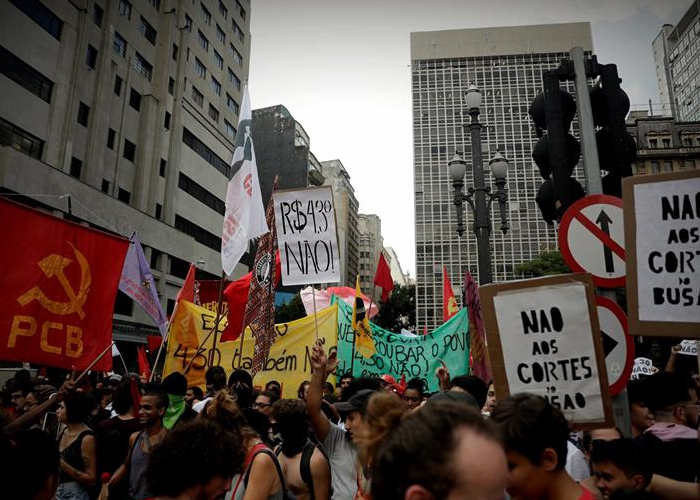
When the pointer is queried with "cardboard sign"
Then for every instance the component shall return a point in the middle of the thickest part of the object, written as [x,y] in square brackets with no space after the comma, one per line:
[662,238]
[689,347]
[544,339]
[642,367]
[306,236]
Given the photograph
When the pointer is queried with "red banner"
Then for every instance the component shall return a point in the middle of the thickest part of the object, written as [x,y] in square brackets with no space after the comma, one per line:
[59,282]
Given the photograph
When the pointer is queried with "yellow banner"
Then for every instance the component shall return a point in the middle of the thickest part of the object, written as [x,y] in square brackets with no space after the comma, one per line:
[289,361]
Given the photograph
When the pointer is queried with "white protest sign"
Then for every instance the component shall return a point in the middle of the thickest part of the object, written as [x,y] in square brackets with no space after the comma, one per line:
[642,366]
[306,236]
[664,236]
[548,340]
[689,347]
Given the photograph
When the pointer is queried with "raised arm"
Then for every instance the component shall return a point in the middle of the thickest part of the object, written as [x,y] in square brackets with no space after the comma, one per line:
[320,365]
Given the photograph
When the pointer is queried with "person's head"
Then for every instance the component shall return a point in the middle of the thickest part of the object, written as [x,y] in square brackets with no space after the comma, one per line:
[620,464]
[346,380]
[596,436]
[38,395]
[303,390]
[358,384]
[122,398]
[413,394]
[175,384]
[274,386]
[354,410]
[215,378]
[289,420]
[490,399]
[641,418]
[18,392]
[198,458]
[473,385]
[31,462]
[152,407]
[534,435]
[672,398]
[240,383]
[75,408]
[328,390]
[193,394]
[224,410]
[264,401]
[442,451]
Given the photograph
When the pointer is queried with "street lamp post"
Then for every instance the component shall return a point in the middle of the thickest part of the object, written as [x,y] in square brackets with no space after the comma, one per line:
[479,196]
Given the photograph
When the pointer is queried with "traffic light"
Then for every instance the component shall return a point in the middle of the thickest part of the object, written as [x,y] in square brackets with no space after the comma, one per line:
[616,147]
[557,152]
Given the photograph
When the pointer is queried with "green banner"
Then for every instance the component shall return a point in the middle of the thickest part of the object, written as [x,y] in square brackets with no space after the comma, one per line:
[415,357]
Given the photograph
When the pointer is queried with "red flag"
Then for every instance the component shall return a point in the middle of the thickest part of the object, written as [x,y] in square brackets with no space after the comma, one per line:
[154,342]
[478,352]
[59,284]
[260,308]
[187,290]
[383,279]
[144,365]
[449,302]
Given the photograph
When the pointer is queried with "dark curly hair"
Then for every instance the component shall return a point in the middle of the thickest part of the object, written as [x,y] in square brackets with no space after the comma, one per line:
[78,407]
[192,454]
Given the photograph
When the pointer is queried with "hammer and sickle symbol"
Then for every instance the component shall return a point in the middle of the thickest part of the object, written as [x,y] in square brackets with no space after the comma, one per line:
[53,265]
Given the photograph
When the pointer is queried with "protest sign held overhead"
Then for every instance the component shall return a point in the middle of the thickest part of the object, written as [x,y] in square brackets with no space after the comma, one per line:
[414,356]
[59,286]
[306,235]
[544,339]
[662,237]
[288,362]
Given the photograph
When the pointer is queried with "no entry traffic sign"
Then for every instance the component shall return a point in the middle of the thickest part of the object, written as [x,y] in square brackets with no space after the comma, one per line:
[617,343]
[592,239]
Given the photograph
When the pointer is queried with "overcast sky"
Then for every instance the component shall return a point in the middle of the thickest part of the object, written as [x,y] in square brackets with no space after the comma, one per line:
[342,70]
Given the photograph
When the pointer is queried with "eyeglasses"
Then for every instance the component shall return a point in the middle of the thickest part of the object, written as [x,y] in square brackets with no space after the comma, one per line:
[261,405]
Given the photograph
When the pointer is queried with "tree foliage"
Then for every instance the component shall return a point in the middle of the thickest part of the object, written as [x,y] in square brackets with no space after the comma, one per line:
[291,311]
[546,264]
[399,311]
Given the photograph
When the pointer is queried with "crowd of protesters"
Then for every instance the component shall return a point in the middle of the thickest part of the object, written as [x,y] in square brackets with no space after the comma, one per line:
[124,438]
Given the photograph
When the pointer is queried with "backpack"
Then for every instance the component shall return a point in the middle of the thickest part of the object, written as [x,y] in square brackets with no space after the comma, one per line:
[305,466]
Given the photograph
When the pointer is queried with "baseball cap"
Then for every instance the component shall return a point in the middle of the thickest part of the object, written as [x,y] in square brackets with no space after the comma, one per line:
[357,402]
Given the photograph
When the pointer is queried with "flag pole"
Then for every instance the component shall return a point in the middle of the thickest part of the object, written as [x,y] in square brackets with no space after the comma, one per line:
[240,359]
[94,362]
[199,348]
[126,370]
[313,295]
[371,301]
[218,315]
[162,343]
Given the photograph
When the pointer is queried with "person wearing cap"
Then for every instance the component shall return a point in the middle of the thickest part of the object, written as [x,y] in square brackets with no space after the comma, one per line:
[348,476]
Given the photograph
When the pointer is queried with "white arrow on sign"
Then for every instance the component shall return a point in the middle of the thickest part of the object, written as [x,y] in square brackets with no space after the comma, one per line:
[617,344]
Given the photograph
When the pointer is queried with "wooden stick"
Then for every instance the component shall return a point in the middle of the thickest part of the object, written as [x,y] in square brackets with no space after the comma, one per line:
[94,362]
[218,315]
[163,342]
[213,329]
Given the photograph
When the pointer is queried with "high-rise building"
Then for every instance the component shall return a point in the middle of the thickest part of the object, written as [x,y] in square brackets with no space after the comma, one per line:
[397,273]
[346,206]
[127,109]
[371,245]
[676,53]
[506,64]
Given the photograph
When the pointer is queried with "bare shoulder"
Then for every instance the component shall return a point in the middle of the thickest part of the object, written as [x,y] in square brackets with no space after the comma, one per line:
[318,459]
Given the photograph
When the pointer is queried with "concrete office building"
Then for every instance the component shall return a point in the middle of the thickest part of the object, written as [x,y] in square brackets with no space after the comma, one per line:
[397,273]
[371,245]
[677,60]
[346,206]
[506,64]
[130,108]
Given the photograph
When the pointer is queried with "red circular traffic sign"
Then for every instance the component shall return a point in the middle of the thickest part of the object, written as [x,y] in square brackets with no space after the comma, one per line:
[592,239]
[618,344]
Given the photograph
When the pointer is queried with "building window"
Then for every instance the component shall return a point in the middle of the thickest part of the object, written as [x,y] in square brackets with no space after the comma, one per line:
[237,31]
[200,235]
[654,167]
[206,15]
[218,60]
[203,41]
[119,45]
[171,86]
[159,211]
[240,9]
[215,86]
[166,121]
[231,104]
[143,66]
[688,142]
[97,15]
[125,9]
[24,75]
[75,167]
[91,57]
[124,195]
[666,143]
[652,144]
[230,130]
[234,79]
[200,68]
[222,9]
[188,23]
[237,57]
[214,113]
[83,114]
[175,51]
[11,135]
[220,34]
[135,100]
[201,194]
[41,15]
[111,135]
[149,33]
[207,154]
[129,150]
[118,85]
[161,168]
[668,166]
[105,186]
[197,96]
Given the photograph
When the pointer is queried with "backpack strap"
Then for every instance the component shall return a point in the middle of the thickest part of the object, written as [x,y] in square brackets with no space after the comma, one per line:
[263,448]
[305,468]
